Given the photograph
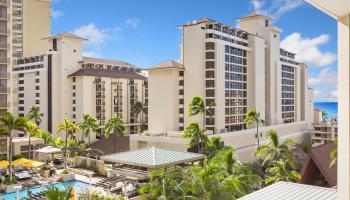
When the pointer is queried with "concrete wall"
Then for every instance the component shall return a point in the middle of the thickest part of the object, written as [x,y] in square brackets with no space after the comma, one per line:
[244,141]
[36,25]
[163,107]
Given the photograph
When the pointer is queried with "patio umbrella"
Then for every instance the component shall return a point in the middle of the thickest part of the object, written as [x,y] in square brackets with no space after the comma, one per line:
[4,163]
[20,161]
[33,163]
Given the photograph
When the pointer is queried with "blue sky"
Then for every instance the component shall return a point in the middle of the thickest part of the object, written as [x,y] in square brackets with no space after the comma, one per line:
[144,33]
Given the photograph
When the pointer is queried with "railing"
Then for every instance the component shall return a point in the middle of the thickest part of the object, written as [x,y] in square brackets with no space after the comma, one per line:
[4,2]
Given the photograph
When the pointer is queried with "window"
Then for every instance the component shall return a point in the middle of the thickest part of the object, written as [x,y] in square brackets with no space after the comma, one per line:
[73,94]
[21,108]
[37,87]
[73,87]
[37,80]
[37,73]
[73,79]
[74,116]
[266,23]
[54,44]
[21,82]
[37,101]
[74,109]
[20,88]
[20,75]
[20,95]
[37,95]
[73,101]
[21,101]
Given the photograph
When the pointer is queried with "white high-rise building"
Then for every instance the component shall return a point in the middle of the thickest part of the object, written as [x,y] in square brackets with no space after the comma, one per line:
[65,84]
[238,69]
[23,23]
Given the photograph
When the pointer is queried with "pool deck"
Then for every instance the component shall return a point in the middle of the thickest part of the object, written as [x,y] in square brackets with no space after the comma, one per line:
[86,179]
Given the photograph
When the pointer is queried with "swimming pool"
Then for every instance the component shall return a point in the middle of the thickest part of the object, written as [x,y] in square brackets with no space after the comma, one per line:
[77,185]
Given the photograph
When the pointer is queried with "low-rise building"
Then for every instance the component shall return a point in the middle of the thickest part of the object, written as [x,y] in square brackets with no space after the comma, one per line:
[324,132]
[19,145]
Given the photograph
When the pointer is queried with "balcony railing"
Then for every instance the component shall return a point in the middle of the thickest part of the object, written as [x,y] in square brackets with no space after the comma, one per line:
[4,2]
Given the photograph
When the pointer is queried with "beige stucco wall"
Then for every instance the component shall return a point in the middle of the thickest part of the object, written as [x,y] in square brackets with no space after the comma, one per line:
[344,107]
[163,110]
[194,74]
[36,25]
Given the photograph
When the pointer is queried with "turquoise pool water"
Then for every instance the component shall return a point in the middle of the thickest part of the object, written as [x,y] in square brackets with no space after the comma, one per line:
[77,185]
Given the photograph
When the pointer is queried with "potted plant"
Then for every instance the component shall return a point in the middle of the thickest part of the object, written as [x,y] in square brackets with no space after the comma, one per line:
[65,175]
[10,185]
[45,171]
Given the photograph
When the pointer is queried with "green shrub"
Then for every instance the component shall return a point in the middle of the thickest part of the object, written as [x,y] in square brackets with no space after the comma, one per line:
[64,172]
[46,167]
[7,181]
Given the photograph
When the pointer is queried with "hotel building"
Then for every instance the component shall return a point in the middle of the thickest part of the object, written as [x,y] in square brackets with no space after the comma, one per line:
[65,84]
[324,132]
[238,69]
[23,23]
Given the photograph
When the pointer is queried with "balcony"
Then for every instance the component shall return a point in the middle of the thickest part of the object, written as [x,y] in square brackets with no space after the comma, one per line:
[4,3]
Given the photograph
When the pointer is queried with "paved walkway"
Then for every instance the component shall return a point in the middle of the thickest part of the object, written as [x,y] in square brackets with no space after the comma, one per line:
[86,179]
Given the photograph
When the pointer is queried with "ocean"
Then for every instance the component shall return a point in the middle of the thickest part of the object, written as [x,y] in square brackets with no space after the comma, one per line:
[331,108]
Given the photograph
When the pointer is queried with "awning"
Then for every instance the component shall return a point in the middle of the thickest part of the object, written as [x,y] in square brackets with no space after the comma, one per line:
[152,157]
[48,150]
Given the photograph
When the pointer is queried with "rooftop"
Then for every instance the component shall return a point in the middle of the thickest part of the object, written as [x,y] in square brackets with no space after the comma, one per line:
[292,191]
[66,34]
[152,157]
[168,64]
[107,62]
[108,73]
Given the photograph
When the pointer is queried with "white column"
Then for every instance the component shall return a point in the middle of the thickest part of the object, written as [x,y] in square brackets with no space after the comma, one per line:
[297,89]
[344,107]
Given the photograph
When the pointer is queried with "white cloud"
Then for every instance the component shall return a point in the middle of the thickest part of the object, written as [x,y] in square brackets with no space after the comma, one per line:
[308,51]
[56,13]
[257,4]
[92,54]
[325,85]
[133,22]
[276,8]
[95,35]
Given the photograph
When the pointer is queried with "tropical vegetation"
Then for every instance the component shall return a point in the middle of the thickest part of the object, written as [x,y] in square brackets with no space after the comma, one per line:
[10,123]
[115,126]
[88,124]
[253,118]
[140,109]
[69,128]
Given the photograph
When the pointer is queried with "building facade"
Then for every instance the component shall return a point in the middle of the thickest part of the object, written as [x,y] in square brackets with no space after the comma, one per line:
[324,132]
[238,69]
[21,31]
[65,84]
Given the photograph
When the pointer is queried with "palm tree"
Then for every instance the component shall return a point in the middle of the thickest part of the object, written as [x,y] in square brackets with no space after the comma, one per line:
[163,185]
[31,129]
[35,115]
[197,106]
[197,136]
[115,126]
[324,115]
[282,172]
[69,128]
[88,124]
[334,155]
[253,117]
[45,135]
[9,123]
[274,150]
[53,193]
[140,108]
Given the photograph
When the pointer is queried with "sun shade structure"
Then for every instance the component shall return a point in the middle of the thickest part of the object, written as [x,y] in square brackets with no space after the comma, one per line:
[4,163]
[152,157]
[48,150]
[292,191]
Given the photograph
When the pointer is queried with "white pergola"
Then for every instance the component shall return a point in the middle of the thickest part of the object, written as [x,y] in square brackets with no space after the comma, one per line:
[45,152]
